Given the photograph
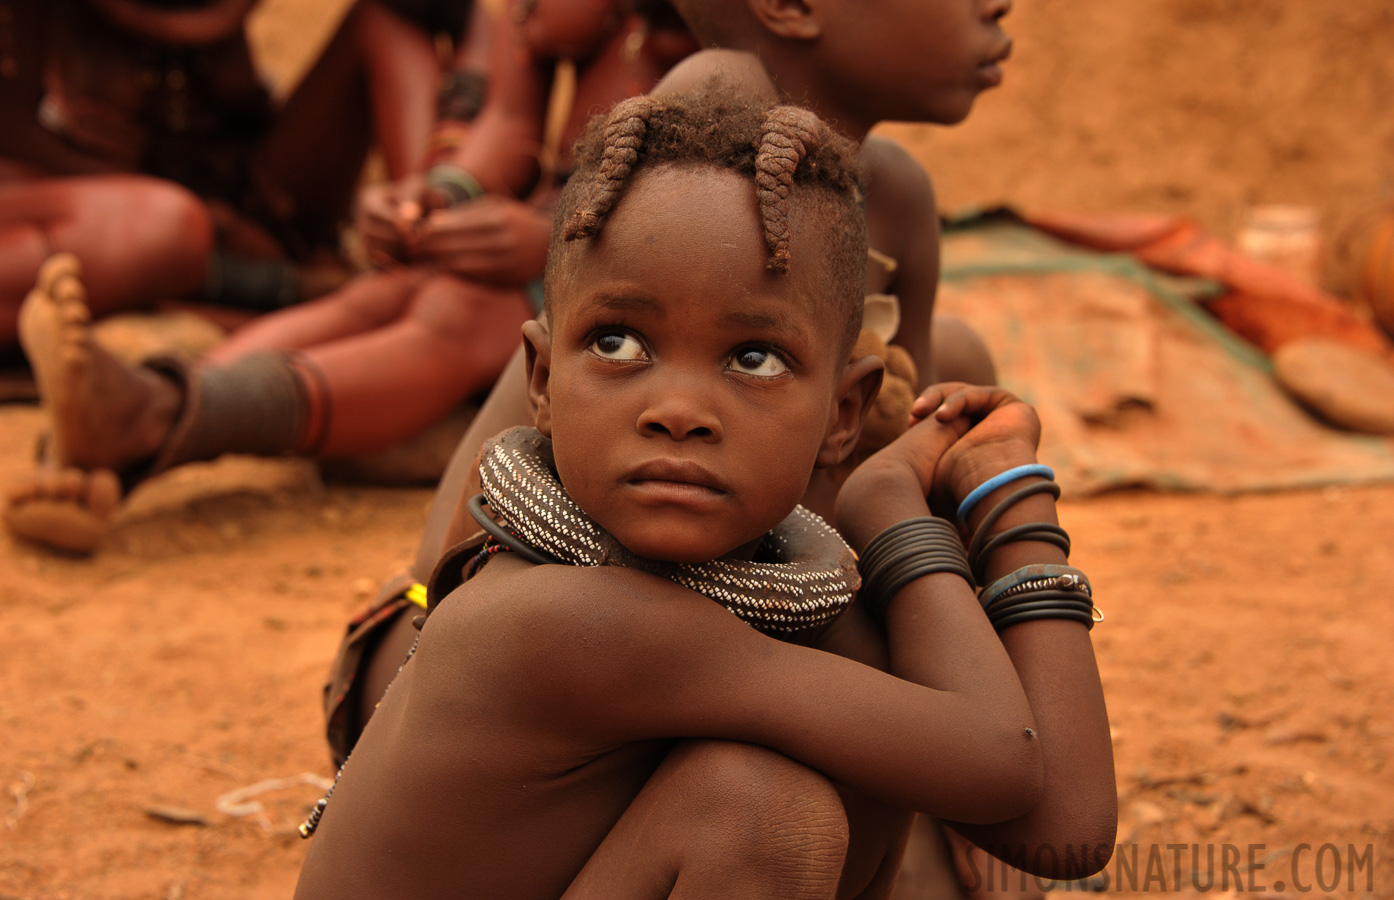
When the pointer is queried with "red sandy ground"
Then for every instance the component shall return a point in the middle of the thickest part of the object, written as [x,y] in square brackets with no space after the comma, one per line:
[1245,653]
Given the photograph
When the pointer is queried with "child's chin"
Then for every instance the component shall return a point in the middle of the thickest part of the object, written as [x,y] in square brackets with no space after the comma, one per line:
[675,546]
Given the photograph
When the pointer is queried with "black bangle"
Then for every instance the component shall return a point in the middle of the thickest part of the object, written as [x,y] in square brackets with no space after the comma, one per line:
[1000,607]
[1044,532]
[910,544]
[912,569]
[1036,604]
[1086,619]
[507,538]
[892,541]
[982,535]
[914,548]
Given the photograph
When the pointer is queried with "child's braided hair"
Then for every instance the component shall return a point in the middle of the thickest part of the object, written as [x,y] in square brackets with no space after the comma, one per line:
[800,168]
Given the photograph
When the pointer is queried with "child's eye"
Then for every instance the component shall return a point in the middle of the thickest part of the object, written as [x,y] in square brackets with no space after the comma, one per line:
[617,345]
[758,361]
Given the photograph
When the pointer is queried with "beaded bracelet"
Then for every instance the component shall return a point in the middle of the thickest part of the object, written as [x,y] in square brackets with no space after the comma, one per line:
[905,551]
[455,184]
[1037,592]
[1036,578]
[1001,479]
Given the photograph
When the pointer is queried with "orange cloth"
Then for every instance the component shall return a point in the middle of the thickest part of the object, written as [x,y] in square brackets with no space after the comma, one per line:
[1263,304]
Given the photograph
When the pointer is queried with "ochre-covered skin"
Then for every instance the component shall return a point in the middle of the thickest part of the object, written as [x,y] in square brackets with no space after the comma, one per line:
[390,353]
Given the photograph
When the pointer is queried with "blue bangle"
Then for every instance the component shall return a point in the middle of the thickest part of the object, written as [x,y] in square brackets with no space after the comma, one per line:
[1001,480]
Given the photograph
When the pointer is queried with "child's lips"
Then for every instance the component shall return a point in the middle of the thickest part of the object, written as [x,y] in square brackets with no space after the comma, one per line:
[990,71]
[674,493]
[676,481]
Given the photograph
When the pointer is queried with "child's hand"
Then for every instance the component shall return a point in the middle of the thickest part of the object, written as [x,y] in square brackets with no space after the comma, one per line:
[893,484]
[997,430]
[386,218]
[494,239]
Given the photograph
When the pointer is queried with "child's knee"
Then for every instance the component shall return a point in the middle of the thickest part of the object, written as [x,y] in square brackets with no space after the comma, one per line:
[166,213]
[959,353]
[774,813]
[454,310]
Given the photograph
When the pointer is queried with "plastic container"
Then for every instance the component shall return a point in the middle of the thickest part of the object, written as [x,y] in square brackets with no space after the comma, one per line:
[1286,236]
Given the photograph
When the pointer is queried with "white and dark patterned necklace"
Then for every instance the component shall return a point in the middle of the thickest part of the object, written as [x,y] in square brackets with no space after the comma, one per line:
[813,579]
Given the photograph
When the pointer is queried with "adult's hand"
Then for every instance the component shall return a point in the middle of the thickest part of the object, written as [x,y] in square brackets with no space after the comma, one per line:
[494,239]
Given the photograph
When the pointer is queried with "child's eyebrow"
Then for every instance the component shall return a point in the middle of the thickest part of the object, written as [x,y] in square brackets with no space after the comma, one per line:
[766,322]
[623,302]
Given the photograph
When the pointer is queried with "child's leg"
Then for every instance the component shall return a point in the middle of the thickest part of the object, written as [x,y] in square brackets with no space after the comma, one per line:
[959,354]
[375,83]
[140,239]
[367,390]
[719,819]
[104,414]
[347,396]
[388,384]
[362,305]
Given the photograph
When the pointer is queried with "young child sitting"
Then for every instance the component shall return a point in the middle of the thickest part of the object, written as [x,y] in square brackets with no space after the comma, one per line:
[915,62]
[704,289]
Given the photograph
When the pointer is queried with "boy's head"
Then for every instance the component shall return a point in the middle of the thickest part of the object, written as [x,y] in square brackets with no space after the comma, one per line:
[704,291]
[859,62]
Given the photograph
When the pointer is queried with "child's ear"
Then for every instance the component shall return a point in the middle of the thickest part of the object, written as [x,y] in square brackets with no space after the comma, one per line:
[792,19]
[857,388]
[537,357]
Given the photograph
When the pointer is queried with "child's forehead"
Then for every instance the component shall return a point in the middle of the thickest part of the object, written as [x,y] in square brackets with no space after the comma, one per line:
[701,224]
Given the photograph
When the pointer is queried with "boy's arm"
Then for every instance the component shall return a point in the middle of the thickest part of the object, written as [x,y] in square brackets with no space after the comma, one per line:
[903,223]
[403,71]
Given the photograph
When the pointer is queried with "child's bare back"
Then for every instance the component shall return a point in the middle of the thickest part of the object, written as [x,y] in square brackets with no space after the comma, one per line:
[500,770]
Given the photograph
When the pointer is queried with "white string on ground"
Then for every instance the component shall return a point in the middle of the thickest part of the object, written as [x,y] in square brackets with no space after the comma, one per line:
[20,791]
[242,803]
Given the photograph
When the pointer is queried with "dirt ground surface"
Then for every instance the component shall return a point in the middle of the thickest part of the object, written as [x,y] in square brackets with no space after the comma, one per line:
[159,718]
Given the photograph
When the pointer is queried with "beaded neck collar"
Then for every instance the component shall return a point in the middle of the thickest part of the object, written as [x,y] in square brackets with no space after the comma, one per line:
[812,582]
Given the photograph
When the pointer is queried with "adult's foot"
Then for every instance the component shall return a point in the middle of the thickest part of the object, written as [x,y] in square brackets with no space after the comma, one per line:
[104,414]
[63,509]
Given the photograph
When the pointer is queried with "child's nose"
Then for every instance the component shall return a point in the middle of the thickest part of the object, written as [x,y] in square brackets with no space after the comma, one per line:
[680,412]
[996,9]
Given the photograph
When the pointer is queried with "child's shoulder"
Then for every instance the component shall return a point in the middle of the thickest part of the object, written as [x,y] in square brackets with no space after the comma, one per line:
[894,175]
[557,644]
[574,615]
[737,67]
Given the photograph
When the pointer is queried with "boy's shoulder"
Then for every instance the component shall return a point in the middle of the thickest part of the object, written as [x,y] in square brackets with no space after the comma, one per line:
[894,174]
[737,67]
